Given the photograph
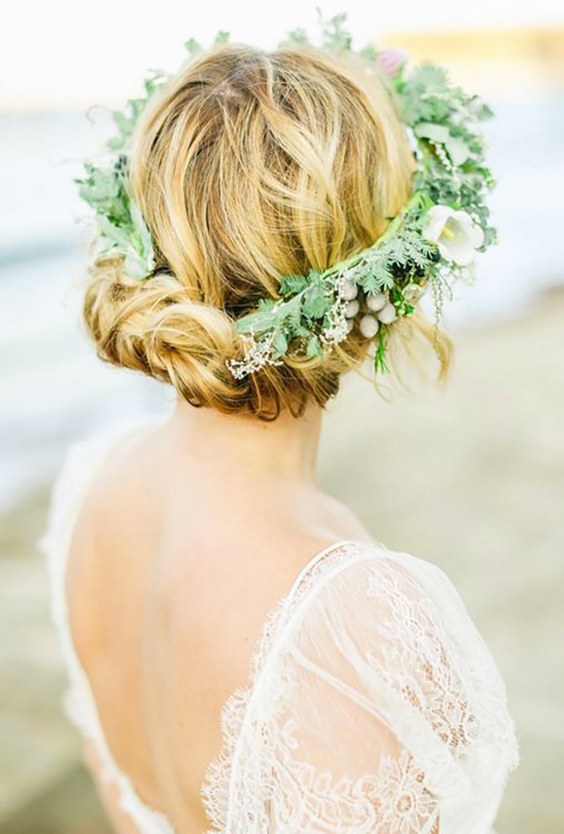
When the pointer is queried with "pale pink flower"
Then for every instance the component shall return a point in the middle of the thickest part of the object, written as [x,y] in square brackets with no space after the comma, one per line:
[390,60]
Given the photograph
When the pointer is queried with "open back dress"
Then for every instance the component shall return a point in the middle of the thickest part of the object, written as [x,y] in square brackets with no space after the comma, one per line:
[373,705]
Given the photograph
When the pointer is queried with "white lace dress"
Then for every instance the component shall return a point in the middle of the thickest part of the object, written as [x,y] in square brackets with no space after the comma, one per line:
[373,705]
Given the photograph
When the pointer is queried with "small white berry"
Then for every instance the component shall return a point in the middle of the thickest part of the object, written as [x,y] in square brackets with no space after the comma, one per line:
[368,326]
[352,308]
[349,290]
[349,325]
[376,301]
[388,314]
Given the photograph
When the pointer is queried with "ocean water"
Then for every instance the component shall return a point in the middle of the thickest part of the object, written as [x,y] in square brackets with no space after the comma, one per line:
[53,388]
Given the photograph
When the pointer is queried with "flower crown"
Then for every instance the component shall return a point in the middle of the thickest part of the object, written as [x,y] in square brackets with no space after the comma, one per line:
[430,243]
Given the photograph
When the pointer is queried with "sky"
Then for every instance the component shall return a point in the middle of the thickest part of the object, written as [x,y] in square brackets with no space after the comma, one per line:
[65,54]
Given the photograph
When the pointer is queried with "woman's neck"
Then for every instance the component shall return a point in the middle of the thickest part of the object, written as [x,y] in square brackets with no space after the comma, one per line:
[285,448]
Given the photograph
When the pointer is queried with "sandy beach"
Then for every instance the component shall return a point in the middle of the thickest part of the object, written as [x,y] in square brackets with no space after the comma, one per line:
[470,477]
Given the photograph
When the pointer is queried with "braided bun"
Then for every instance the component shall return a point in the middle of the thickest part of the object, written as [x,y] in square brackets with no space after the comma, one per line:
[155,327]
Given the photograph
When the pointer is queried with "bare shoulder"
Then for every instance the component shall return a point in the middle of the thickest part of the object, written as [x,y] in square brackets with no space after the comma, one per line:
[219,558]
[123,469]
[199,531]
[215,597]
[112,520]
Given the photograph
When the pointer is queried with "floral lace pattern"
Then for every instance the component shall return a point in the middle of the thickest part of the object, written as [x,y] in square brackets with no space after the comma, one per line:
[394,800]
[413,659]
[451,714]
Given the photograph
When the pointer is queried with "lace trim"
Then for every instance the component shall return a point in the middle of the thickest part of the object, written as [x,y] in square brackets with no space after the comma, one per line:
[215,791]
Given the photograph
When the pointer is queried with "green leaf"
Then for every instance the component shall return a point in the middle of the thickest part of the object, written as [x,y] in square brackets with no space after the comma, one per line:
[280,343]
[298,35]
[428,130]
[122,121]
[293,310]
[313,348]
[257,322]
[116,143]
[334,35]
[456,148]
[370,52]
[135,266]
[315,303]
[192,46]
[265,304]
[292,284]
[142,231]
[300,330]
[112,233]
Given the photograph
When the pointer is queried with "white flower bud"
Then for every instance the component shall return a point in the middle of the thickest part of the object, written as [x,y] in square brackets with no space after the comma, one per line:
[352,308]
[349,290]
[454,232]
[388,314]
[376,301]
[369,326]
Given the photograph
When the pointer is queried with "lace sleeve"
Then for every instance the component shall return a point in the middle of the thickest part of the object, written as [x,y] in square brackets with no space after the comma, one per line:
[385,712]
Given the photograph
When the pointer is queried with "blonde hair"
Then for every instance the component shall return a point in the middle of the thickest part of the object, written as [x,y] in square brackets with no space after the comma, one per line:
[250,165]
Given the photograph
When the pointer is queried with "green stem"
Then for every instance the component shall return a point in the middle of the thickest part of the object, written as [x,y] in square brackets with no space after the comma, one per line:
[380,354]
[413,202]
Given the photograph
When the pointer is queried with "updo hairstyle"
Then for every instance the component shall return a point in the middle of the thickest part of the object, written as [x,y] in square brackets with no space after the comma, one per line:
[247,166]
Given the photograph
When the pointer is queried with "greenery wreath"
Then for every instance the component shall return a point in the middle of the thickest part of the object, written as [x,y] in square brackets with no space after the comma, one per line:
[430,244]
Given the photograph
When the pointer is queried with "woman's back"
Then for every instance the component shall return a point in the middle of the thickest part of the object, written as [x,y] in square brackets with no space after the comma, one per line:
[372,703]
[170,578]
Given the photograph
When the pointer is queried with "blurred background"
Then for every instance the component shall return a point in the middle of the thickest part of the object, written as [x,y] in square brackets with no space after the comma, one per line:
[471,477]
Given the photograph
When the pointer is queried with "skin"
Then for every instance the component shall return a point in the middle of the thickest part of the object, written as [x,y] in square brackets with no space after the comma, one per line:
[188,536]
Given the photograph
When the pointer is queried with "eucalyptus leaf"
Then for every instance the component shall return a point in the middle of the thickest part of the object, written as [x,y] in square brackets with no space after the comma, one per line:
[113,234]
[134,265]
[192,46]
[434,132]
[313,348]
[143,231]
[266,304]
[316,302]
[256,322]
[280,343]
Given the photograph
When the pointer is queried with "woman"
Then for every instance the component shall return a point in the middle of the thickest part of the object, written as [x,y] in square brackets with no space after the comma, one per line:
[244,657]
